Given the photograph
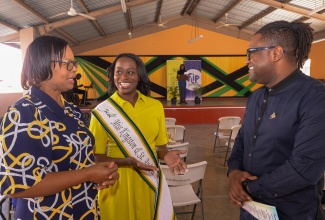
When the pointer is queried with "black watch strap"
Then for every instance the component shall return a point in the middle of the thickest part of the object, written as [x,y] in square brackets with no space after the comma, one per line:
[245,186]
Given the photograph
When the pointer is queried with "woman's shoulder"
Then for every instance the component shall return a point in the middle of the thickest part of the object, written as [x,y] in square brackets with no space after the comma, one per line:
[24,101]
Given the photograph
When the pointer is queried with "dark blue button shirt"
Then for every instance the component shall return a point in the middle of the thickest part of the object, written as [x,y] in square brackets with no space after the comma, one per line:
[282,142]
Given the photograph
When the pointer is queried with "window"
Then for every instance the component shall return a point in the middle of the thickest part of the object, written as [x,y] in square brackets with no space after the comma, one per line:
[306,68]
[11,64]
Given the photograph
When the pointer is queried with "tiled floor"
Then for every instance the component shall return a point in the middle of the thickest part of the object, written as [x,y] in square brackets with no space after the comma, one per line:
[215,183]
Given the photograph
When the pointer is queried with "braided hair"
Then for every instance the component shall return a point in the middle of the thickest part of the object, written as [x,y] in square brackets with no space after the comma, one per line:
[294,37]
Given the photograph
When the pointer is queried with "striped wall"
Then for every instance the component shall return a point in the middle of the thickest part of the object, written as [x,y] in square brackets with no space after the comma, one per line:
[222,76]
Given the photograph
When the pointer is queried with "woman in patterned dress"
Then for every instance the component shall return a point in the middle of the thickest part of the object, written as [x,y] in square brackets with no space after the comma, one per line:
[46,150]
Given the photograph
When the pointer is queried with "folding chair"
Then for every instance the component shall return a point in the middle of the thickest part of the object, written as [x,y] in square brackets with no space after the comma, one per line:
[223,129]
[178,131]
[231,140]
[6,208]
[181,189]
[170,121]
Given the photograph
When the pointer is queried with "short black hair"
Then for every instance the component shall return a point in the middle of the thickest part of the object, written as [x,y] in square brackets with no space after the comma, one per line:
[37,66]
[295,37]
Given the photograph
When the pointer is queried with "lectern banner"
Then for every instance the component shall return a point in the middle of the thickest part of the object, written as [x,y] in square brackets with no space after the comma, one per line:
[193,70]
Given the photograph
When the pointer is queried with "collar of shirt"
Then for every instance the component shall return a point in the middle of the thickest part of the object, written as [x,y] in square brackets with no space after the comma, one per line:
[120,101]
[286,81]
[48,101]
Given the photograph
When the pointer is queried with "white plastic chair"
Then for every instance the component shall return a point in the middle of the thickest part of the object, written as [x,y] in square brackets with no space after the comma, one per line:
[6,208]
[170,121]
[178,131]
[231,140]
[181,189]
[224,128]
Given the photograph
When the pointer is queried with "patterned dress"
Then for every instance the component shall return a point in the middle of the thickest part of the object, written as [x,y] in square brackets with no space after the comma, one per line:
[37,136]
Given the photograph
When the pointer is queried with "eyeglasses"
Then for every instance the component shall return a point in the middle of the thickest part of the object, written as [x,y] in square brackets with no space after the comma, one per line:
[70,64]
[249,51]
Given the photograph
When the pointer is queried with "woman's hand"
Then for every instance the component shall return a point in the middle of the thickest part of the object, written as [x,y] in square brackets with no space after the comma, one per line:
[136,164]
[175,162]
[104,174]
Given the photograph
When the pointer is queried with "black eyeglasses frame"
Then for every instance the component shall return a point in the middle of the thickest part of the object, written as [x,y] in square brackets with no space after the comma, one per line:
[74,63]
[249,51]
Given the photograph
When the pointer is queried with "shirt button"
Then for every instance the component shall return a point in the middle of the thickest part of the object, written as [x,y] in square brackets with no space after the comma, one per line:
[264,100]
[259,118]
[254,136]
[249,155]
[275,195]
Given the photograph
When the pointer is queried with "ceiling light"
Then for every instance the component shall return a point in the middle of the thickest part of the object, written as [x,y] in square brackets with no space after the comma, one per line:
[316,10]
[195,39]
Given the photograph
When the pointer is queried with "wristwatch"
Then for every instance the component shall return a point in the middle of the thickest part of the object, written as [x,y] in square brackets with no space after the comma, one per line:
[245,186]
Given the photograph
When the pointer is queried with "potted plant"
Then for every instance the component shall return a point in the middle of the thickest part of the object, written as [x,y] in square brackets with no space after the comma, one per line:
[198,90]
[173,92]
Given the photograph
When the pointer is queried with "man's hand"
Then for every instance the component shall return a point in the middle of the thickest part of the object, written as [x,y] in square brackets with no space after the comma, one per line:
[235,189]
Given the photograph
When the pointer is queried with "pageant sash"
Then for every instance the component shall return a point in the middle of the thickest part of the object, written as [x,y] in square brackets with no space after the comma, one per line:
[132,143]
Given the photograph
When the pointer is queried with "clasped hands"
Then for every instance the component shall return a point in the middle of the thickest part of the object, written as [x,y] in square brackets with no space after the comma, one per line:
[104,174]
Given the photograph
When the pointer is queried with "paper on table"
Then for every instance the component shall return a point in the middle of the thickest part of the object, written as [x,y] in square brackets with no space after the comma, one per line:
[261,211]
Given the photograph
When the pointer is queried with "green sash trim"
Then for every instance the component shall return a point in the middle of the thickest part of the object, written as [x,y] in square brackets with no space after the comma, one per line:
[131,142]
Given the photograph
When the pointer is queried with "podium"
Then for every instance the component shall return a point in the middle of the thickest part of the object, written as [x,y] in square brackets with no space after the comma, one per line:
[182,89]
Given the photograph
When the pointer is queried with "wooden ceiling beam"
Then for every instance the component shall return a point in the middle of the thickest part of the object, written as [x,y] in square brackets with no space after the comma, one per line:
[10,38]
[158,14]
[228,8]
[294,9]
[4,23]
[77,19]
[187,7]
[95,22]
[67,36]
[257,17]
[30,10]
[194,5]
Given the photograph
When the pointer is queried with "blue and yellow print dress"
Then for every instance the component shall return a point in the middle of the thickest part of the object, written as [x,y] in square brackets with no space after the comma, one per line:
[37,136]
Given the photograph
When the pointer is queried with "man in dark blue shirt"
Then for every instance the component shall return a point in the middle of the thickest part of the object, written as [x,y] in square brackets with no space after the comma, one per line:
[279,154]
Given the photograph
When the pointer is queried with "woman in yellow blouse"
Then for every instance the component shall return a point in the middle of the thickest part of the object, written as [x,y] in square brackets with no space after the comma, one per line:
[131,197]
